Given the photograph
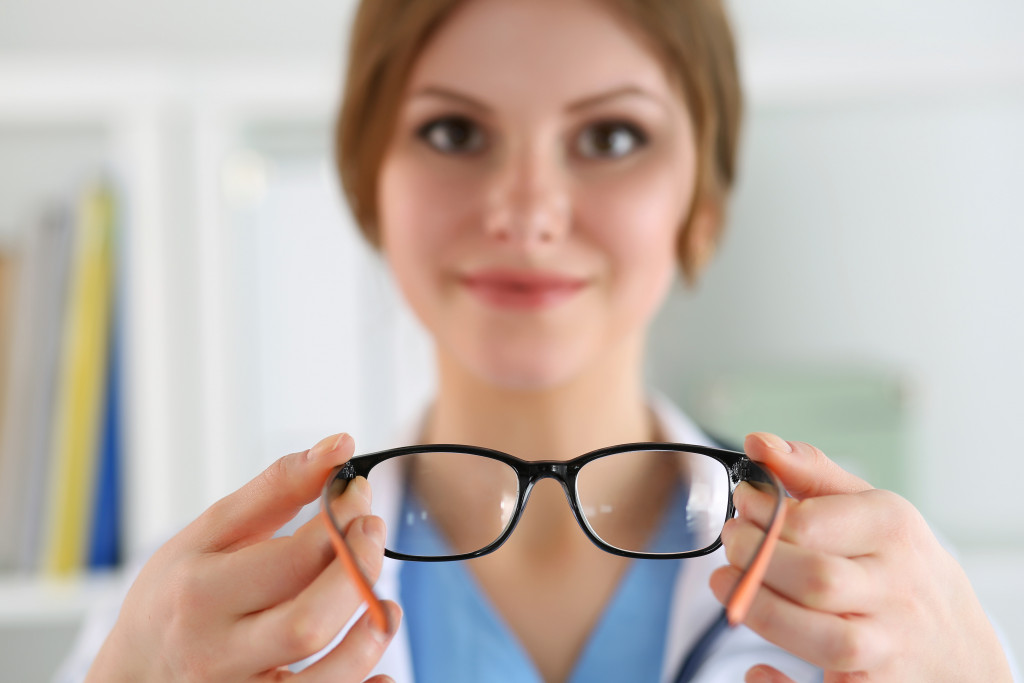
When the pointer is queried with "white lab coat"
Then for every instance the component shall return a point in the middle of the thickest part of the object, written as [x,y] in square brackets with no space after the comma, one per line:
[693,607]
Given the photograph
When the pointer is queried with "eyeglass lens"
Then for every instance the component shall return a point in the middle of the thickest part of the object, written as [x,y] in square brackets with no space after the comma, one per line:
[655,501]
[450,504]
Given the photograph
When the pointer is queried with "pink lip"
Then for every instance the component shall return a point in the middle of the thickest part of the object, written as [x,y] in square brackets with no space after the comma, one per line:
[521,289]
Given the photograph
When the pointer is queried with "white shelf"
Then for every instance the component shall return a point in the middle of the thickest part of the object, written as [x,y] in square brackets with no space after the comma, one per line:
[76,89]
[38,601]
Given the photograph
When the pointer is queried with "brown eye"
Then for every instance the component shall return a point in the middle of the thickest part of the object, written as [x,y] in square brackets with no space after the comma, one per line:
[452,135]
[609,140]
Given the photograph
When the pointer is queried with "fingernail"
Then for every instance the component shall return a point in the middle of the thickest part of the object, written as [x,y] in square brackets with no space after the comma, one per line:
[776,443]
[740,493]
[362,487]
[757,675]
[324,446]
[394,618]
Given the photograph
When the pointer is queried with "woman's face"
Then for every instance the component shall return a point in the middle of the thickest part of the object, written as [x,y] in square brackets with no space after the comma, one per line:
[530,198]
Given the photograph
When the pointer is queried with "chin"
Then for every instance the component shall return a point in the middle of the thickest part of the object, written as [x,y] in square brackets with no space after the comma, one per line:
[526,370]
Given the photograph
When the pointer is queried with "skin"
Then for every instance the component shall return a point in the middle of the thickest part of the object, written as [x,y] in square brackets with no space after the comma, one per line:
[858,584]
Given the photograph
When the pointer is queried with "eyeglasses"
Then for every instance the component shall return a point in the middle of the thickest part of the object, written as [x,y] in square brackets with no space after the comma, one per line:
[639,500]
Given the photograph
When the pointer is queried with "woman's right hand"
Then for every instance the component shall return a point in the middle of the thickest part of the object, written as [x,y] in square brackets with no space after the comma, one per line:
[224,600]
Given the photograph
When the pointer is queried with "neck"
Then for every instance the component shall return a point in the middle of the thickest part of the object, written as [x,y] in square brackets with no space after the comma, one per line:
[601,406]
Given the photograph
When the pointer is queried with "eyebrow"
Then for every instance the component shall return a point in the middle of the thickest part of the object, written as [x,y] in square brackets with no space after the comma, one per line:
[577,105]
[614,94]
[445,93]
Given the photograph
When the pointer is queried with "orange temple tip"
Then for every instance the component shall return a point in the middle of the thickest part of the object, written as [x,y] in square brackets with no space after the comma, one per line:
[378,615]
[743,595]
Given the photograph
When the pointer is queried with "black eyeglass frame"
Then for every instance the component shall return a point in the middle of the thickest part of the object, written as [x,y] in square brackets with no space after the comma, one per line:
[737,465]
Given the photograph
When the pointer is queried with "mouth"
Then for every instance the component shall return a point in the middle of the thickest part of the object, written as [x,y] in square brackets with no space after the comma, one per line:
[521,289]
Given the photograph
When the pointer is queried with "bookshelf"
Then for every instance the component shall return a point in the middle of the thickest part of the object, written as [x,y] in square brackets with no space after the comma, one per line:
[61,124]
[189,148]
[98,121]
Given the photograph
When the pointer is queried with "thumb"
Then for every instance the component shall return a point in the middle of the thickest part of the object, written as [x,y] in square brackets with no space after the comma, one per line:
[273,497]
[804,470]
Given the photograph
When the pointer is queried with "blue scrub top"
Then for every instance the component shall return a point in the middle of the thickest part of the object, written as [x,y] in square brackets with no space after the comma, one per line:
[456,634]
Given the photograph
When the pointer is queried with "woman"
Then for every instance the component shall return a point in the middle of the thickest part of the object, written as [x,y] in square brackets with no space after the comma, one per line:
[532,171]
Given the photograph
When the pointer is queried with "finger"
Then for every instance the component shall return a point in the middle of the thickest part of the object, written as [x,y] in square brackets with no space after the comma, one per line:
[348,561]
[762,673]
[298,628]
[349,656]
[804,470]
[258,509]
[358,652]
[850,525]
[829,641]
[264,574]
[816,580]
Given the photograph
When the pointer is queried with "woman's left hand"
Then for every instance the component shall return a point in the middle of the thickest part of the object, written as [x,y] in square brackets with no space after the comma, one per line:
[858,584]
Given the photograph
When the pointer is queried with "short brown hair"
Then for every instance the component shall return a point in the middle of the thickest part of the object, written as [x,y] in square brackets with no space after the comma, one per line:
[691,37]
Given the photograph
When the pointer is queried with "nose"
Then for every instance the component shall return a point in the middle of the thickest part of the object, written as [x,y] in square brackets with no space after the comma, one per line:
[528,205]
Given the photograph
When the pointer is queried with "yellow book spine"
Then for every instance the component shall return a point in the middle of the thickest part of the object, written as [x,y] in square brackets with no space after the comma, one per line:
[80,389]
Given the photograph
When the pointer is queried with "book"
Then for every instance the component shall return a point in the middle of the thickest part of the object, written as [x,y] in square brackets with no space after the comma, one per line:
[11,462]
[8,280]
[81,387]
[105,534]
[40,292]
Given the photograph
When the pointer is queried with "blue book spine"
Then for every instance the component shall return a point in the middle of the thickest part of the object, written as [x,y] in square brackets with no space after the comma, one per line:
[105,536]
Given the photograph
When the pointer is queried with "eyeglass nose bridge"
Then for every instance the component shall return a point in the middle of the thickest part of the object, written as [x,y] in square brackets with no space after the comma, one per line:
[531,473]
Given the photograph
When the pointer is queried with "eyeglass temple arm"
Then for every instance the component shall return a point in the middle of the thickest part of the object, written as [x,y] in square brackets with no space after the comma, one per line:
[373,604]
[743,594]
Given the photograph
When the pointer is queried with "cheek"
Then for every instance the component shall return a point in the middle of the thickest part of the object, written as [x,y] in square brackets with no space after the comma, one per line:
[636,220]
[419,216]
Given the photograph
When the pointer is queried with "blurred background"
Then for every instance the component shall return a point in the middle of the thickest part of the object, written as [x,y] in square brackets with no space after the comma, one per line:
[181,285]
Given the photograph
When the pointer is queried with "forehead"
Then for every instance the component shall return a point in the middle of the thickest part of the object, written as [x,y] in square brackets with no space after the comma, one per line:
[535,51]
